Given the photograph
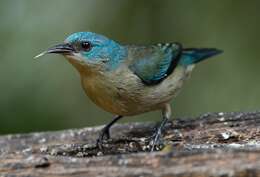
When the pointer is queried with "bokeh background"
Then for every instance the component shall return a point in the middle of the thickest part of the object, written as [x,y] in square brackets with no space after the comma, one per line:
[45,94]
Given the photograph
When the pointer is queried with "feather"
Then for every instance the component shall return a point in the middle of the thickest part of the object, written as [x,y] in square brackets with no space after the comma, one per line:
[152,64]
[195,55]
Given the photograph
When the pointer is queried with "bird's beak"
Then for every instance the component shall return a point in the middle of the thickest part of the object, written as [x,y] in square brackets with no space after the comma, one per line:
[64,49]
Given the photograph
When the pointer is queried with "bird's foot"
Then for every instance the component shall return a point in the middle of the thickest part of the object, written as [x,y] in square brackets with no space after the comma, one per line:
[104,135]
[105,132]
[156,140]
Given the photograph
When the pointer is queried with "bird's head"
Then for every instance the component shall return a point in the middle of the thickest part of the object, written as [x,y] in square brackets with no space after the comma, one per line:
[90,50]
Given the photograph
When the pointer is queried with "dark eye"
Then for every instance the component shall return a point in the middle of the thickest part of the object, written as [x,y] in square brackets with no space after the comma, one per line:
[86,46]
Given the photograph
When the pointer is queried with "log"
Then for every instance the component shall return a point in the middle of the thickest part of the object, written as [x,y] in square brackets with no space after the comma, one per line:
[213,144]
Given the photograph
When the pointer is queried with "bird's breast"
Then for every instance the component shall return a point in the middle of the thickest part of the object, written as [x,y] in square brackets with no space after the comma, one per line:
[101,91]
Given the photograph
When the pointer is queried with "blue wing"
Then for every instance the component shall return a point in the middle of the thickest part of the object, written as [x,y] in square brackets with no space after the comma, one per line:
[152,64]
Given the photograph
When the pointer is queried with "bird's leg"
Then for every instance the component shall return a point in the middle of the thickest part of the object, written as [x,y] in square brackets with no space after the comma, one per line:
[105,131]
[166,112]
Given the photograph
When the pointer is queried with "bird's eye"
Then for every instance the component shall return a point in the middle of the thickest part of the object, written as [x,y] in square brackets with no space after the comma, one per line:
[86,46]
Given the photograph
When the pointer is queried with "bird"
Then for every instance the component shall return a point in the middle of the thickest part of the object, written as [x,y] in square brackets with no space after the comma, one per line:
[127,80]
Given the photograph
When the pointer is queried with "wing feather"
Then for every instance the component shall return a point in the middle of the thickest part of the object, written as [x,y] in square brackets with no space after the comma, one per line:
[152,64]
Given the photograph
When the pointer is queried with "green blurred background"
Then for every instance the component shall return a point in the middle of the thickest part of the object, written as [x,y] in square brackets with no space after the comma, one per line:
[46,94]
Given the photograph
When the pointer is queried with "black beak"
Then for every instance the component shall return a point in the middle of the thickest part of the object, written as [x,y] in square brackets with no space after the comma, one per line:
[64,49]
[61,49]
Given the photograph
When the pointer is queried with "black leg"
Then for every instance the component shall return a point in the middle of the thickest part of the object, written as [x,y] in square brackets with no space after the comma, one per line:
[105,131]
[156,136]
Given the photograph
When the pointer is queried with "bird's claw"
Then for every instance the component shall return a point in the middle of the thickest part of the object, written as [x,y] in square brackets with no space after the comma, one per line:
[156,140]
[104,135]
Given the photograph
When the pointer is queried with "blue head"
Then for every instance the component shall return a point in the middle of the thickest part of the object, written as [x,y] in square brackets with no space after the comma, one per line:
[90,49]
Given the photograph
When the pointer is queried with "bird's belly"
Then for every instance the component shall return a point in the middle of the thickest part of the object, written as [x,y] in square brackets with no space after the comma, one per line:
[128,96]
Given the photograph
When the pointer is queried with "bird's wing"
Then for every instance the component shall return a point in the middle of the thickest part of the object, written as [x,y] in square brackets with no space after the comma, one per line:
[154,63]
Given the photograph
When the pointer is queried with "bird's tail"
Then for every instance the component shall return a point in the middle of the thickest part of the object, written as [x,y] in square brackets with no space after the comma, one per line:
[195,55]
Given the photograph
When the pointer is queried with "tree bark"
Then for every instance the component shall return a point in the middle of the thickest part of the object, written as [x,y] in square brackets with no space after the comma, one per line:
[214,144]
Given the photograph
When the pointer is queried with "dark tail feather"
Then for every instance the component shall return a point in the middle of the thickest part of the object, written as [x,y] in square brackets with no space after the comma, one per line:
[195,55]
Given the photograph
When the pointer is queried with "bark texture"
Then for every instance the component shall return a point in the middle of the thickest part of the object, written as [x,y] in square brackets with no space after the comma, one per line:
[214,144]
